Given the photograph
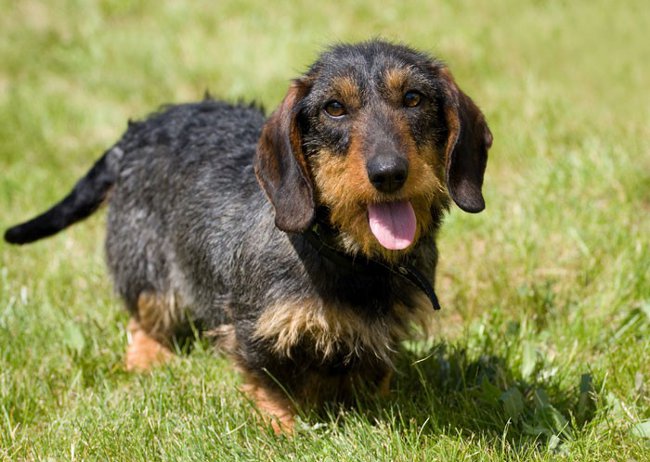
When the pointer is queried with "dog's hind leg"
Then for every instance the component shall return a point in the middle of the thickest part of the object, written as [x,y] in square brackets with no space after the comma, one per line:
[144,351]
[150,332]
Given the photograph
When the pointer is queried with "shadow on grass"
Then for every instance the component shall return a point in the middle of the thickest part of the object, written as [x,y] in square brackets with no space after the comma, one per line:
[445,390]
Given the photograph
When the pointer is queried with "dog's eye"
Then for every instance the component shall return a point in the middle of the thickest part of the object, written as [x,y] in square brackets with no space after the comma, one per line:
[335,109]
[412,98]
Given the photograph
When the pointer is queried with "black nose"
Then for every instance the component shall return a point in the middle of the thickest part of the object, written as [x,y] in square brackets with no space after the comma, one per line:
[387,173]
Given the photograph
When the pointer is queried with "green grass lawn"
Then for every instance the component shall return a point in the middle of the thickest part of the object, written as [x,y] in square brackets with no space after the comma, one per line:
[543,344]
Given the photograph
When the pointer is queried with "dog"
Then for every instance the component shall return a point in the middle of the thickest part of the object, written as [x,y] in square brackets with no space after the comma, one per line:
[303,244]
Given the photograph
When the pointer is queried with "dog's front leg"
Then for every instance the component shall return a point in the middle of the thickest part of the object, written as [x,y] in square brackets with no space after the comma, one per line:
[274,406]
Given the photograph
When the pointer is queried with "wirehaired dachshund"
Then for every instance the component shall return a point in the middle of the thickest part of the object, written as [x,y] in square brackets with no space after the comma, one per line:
[304,243]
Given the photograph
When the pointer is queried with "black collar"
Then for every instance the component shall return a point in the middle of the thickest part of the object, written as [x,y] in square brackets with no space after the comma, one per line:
[404,270]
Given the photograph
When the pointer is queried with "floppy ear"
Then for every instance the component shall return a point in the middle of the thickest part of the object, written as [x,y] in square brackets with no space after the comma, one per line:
[466,149]
[280,164]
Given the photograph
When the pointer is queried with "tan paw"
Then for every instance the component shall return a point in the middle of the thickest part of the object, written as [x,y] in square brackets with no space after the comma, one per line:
[144,352]
[274,407]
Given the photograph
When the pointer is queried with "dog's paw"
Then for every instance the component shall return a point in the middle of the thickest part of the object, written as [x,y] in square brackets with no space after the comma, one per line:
[144,352]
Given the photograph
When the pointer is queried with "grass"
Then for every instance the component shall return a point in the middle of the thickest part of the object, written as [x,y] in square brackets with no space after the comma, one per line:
[543,342]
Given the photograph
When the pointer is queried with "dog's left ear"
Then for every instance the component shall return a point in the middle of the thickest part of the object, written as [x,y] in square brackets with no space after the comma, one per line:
[280,164]
[468,141]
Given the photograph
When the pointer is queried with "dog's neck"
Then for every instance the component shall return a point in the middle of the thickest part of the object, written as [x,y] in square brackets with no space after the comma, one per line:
[320,236]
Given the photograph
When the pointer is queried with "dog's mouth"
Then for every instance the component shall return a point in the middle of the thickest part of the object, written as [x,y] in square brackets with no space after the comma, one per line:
[393,224]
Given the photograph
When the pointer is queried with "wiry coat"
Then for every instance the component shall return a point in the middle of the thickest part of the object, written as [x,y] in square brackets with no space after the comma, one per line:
[194,241]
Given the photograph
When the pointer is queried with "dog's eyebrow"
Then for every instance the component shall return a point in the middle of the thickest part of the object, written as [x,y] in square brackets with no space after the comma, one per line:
[347,89]
[395,78]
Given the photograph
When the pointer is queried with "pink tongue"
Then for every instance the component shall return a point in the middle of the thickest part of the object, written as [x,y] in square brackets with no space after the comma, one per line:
[393,224]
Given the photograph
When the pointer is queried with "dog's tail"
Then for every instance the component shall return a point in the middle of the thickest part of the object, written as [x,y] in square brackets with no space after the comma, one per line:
[86,197]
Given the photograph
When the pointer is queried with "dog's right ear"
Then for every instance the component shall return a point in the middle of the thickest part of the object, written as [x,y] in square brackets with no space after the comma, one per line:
[281,167]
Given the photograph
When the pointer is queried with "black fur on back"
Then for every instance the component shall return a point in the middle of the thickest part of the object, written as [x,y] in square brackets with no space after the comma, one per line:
[171,126]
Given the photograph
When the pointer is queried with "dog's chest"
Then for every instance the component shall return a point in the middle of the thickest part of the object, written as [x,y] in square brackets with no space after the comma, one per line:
[330,331]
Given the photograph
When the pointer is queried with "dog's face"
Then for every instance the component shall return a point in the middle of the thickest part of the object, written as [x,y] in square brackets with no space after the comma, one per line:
[380,136]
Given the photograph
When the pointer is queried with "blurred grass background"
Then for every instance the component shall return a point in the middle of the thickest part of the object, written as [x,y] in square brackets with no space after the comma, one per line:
[543,344]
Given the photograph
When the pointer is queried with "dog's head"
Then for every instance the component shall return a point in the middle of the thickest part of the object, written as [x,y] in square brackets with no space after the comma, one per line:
[380,136]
